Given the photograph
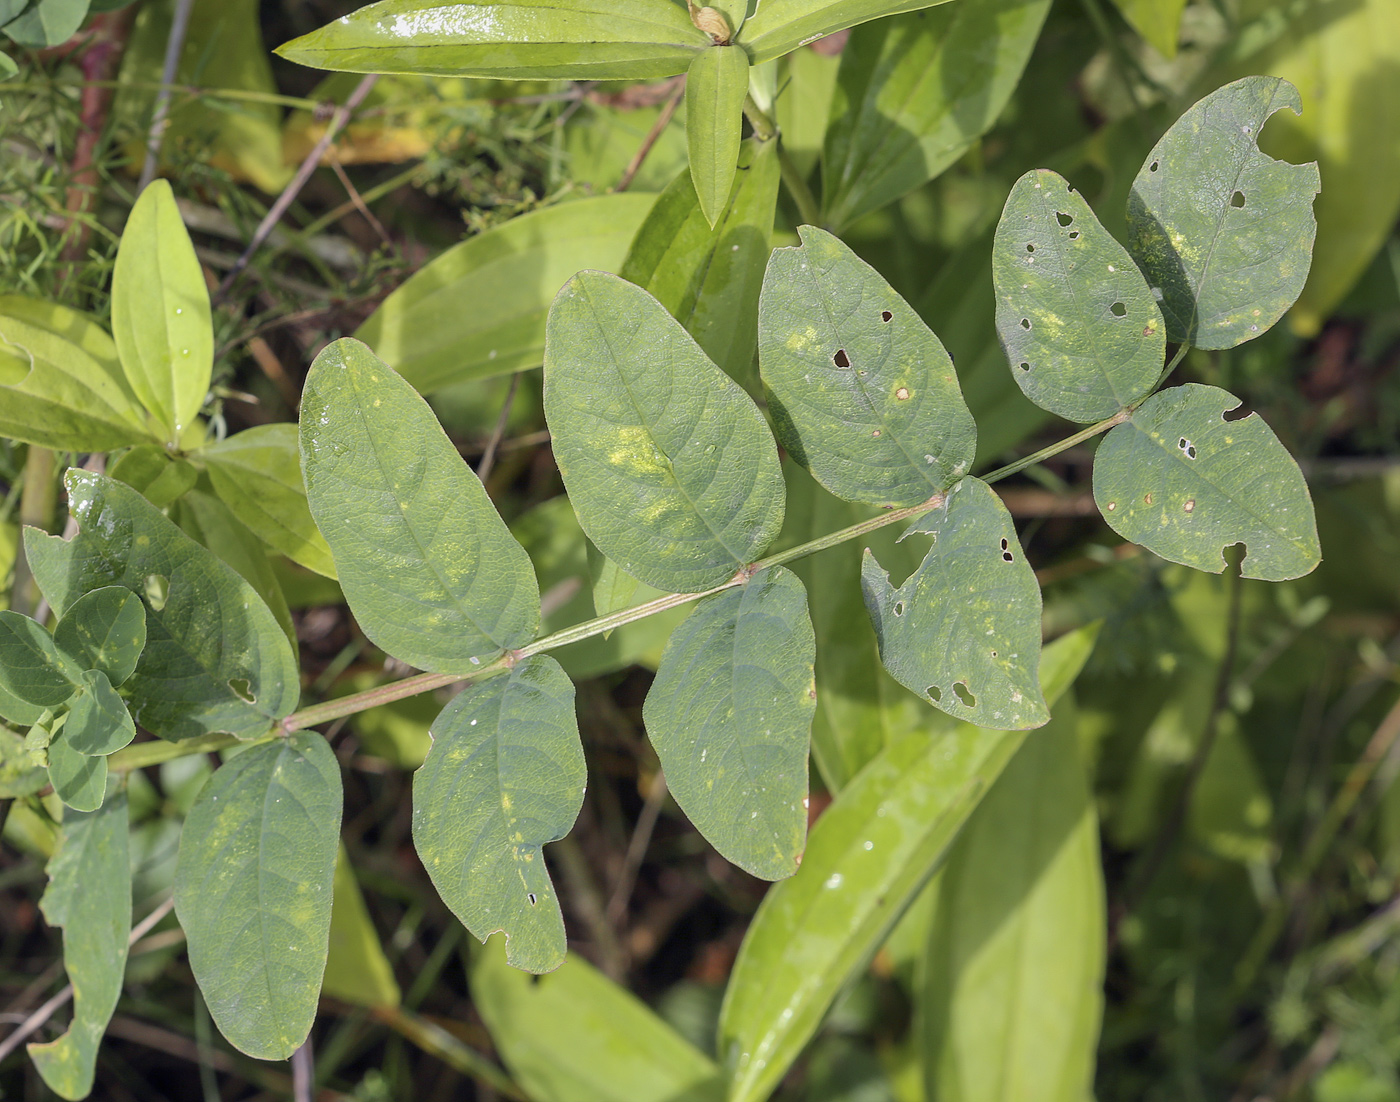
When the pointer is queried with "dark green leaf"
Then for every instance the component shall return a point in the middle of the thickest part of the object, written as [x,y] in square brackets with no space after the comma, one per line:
[253,890]
[31,665]
[104,630]
[730,716]
[715,88]
[154,473]
[778,27]
[1185,483]
[18,711]
[1224,233]
[78,779]
[862,393]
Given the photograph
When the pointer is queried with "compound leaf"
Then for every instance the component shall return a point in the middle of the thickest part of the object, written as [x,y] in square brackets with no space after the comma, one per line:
[434,584]
[668,463]
[253,889]
[715,88]
[504,776]
[31,665]
[104,630]
[1223,232]
[778,27]
[1184,482]
[98,723]
[78,779]
[1081,329]
[862,393]
[730,716]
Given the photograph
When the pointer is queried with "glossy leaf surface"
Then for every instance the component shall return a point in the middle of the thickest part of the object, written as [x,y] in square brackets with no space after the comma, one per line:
[98,722]
[505,775]
[778,27]
[104,630]
[253,889]
[78,779]
[434,586]
[1184,482]
[31,665]
[715,88]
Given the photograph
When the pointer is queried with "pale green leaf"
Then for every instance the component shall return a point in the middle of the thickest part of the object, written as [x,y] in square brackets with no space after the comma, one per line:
[669,464]
[806,84]
[8,68]
[253,890]
[257,473]
[1223,232]
[357,971]
[1184,482]
[862,393]
[778,27]
[89,895]
[963,632]
[715,88]
[215,658]
[1158,21]
[160,312]
[915,92]
[104,630]
[575,1036]
[520,39]
[1080,328]
[158,476]
[98,723]
[31,666]
[78,779]
[435,585]
[19,776]
[478,309]
[730,717]
[505,775]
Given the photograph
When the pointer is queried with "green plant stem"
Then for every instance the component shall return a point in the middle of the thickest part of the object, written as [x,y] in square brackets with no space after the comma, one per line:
[764,129]
[1057,447]
[1181,351]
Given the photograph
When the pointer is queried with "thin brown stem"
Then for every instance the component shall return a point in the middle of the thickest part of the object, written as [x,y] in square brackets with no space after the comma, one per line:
[488,457]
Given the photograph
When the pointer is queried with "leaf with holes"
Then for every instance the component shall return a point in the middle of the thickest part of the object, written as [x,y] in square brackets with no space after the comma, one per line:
[215,658]
[862,393]
[668,463]
[78,779]
[1184,482]
[436,586]
[1081,329]
[32,667]
[1222,231]
[89,895]
[104,630]
[715,89]
[253,890]
[98,723]
[730,716]
[505,775]
[963,631]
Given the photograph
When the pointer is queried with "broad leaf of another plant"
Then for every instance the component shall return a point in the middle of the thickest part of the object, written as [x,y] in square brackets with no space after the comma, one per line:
[215,657]
[47,23]
[1158,21]
[104,630]
[158,476]
[357,971]
[89,895]
[505,775]
[31,665]
[778,27]
[862,392]
[426,563]
[613,587]
[915,92]
[715,88]
[1080,328]
[253,890]
[669,464]
[98,723]
[802,110]
[479,309]
[1184,482]
[78,779]
[963,632]
[1223,232]
[730,717]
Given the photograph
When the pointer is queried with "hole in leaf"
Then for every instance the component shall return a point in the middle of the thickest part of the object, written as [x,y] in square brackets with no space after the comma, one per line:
[934,693]
[841,359]
[531,897]
[1187,448]
[994,654]
[1030,248]
[242,689]
[1153,166]
[1007,556]
[157,591]
[1237,200]
[1073,235]
[1063,218]
[1004,545]
[885,315]
[899,608]
[902,394]
[1147,498]
[1025,366]
[1118,310]
[1025,323]
[1190,505]
[1239,413]
[964,694]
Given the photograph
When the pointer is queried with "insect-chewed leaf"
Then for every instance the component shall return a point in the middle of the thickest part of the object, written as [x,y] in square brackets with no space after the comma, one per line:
[78,779]
[31,665]
[715,88]
[730,716]
[104,630]
[98,722]
[1082,331]
[215,658]
[89,895]
[668,463]
[505,775]
[1185,483]
[862,393]
[963,631]
[253,889]
[427,565]
[1223,232]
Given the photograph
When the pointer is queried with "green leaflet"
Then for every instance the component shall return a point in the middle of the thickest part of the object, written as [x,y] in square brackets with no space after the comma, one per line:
[47,23]
[257,473]
[963,632]
[915,92]
[520,39]
[19,776]
[31,665]
[158,476]
[730,717]
[575,1036]
[98,723]
[778,27]
[357,972]
[1080,328]
[78,779]
[505,775]
[1158,21]
[1011,986]
[478,309]
[61,384]
[253,889]
[104,630]
[709,278]
[1184,482]
[215,658]
[862,393]
[160,312]
[669,464]
[715,88]
[435,585]
[868,856]
[89,895]
[1221,230]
